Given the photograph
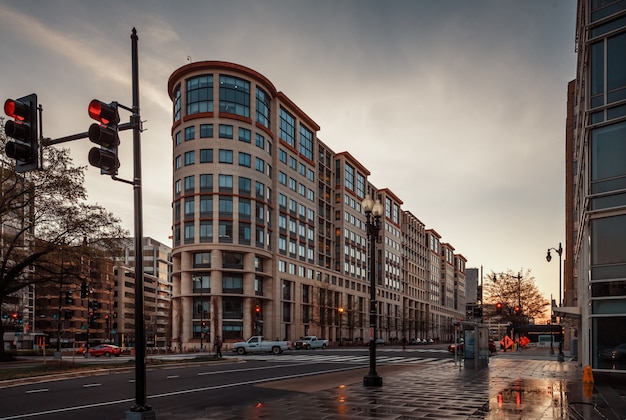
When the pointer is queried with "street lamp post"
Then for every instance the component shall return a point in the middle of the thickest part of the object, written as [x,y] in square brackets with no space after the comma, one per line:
[549,258]
[373,212]
[340,311]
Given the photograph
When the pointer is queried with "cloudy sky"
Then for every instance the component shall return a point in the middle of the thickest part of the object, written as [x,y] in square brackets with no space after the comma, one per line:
[458,107]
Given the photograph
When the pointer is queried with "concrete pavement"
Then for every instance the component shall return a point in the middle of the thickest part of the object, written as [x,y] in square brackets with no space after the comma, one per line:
[525,385]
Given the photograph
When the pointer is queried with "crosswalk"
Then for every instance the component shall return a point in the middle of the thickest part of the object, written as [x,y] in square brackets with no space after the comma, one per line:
[347,359]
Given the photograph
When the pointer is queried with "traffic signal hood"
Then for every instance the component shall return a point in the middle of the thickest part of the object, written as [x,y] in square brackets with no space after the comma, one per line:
[106,135]
[23,129]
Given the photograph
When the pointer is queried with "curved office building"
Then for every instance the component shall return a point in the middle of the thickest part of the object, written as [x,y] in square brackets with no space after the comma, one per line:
[268,233]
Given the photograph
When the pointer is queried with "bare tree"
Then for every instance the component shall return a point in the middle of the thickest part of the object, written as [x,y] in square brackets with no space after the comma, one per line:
[514,290]
[43,214]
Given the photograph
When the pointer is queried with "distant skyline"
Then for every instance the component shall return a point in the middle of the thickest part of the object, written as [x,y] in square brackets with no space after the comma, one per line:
[457,107]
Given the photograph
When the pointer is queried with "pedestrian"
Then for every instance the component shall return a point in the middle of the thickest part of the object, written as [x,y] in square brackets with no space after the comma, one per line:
[218,346]
[403,343]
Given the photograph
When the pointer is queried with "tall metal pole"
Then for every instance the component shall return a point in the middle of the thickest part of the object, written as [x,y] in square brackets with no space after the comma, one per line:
[372,225]
[140,410]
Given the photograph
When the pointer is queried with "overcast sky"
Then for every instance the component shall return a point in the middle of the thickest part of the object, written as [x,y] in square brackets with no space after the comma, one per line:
[458,107]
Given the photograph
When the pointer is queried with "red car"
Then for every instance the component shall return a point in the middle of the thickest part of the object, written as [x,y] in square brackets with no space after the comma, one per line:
[106,350]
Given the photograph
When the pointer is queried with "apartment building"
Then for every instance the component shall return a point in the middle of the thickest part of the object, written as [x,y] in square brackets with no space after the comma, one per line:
[595,270]
[268,231]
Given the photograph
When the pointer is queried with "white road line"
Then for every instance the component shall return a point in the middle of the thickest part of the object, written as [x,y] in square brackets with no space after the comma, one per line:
[33,391]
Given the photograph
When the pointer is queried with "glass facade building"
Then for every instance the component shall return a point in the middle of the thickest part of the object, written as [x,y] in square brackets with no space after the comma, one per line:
[596,154]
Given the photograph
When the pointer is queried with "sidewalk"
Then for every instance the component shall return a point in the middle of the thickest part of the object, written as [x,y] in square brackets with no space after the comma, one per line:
[525,385]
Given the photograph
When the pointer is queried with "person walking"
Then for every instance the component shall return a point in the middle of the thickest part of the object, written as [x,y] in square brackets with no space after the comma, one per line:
[218,346]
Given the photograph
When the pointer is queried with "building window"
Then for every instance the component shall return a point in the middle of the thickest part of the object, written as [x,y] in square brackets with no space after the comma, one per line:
[226,131]
[202,260]
[234,96]
[178,162]
[206,182]
[232,306]
[206,231]
[258,286]
[206,131]
[226,206]
[608,166]
[190,184]
[245,185]
[232,330]
[259,190]
[177,138]
[244,233]
[282,156]
[232,260]
[226,156]
[260,141]
[206,155]
[190,133]
[177,187]
[244,159]
[349,176]
[259,165]
[189,233]
[177,103]
[206,206]
[189,207]
[226,183]
[244,135]
[232,283]
[200,94]
[244,209]
[287,127]
[190,158]
[226,231]
[306,142]
[263,107]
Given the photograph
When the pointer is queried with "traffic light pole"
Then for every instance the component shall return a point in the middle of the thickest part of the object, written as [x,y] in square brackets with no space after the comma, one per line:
[140,410]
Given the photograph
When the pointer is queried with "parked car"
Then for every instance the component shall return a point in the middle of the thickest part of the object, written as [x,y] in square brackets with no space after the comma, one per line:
[415,341]
[613,353]
[380,342]
[459,347]
[106,350]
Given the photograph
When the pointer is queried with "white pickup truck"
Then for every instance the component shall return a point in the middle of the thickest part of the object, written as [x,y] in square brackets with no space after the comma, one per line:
[257,344]
[310,342]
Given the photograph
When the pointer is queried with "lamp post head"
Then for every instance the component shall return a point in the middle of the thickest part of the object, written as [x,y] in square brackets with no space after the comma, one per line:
[367,204]
[548,256]
[378,209]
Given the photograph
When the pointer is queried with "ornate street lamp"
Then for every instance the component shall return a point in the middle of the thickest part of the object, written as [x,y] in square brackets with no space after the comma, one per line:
[549,258]
[373,212]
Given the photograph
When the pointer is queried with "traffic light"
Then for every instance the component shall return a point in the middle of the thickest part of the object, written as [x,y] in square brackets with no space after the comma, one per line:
[69,300]
[104,134]
[518,310]
[257,310]
[84,292]
[23,129]
[499,307]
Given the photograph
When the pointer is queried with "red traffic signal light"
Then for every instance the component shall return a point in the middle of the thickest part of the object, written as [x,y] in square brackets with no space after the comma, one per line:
[498,307]
[23,129]
[104,134]
[518,310]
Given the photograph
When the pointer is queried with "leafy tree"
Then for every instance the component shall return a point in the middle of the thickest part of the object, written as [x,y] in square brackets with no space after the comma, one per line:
[43,215]
[510,289]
